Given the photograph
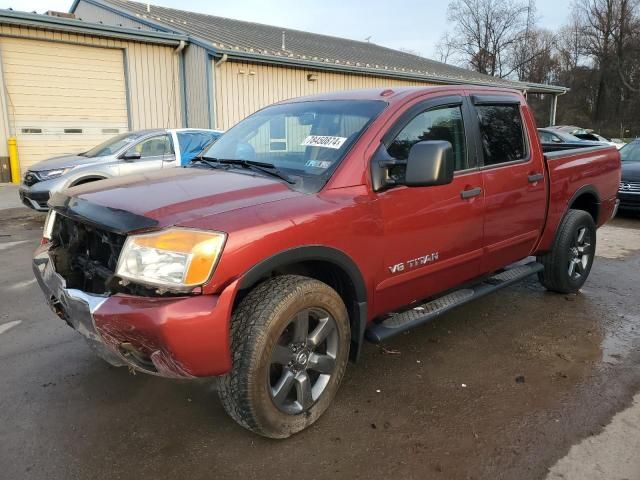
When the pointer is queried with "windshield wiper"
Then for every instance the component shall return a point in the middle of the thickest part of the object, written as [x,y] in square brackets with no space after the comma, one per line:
[209,161]
[263,167]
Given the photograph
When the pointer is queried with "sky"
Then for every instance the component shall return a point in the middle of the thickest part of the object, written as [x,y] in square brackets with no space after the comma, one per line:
[415,25]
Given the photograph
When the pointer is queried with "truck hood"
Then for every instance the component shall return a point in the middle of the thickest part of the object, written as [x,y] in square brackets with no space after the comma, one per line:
[631,171]
[64,161]
[169,197]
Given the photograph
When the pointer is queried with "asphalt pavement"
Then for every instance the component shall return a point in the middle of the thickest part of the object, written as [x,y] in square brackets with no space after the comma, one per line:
[9,196]
[522,384]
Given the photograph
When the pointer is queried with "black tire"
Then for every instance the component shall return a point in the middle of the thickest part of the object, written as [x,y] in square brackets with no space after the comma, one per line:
[575,243]
[266,330]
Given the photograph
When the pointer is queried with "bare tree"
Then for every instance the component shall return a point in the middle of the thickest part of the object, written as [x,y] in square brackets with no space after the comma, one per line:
[609,29]
[570,44]
[445,49]
[596,54]
[535,58]
[486,31]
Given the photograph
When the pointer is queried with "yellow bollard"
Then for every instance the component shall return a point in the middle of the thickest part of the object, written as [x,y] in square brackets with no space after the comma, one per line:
[14,163]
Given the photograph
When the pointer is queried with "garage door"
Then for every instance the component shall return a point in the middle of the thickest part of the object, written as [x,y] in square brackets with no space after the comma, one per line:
[62,98]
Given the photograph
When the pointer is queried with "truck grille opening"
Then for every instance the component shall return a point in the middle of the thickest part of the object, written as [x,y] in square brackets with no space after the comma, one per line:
[85,256]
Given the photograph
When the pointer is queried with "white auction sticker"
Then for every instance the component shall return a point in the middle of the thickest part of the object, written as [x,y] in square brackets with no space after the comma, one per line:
[323,141]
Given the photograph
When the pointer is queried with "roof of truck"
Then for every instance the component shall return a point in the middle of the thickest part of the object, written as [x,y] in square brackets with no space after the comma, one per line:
[396,93]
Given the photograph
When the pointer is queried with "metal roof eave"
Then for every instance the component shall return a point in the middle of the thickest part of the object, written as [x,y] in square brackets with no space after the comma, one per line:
[544,88]
[10,17]
[276,59]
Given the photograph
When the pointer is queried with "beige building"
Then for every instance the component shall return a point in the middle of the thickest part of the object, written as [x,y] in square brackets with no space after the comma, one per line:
[108,66]
[68,86]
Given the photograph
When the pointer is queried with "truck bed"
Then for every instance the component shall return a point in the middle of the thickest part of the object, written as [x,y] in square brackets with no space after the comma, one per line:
[594,170]
[563,147]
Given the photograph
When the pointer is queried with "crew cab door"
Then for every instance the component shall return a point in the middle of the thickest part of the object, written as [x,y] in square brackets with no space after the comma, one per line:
[152,153]
[513,178]
[432,236]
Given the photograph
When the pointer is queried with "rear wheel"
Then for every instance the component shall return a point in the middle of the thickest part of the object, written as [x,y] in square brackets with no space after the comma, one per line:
[567,265]
[290,344]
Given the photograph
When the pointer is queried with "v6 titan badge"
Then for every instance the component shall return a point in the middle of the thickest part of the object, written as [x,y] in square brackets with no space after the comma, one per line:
[413,263]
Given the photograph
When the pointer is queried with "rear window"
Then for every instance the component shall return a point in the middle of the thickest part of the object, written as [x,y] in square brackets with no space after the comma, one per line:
[502,133]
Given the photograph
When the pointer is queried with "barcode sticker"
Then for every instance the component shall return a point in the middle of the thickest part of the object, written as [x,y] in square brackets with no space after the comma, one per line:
[323,141]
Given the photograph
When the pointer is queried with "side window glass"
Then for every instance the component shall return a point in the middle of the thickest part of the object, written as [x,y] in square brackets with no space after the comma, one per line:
[154,147]
[440,124]
[502,133]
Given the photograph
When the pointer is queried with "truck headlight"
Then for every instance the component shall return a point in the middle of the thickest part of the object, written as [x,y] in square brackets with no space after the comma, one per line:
[177,257]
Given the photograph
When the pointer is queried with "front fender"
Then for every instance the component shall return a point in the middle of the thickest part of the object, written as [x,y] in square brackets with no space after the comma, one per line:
[326,254]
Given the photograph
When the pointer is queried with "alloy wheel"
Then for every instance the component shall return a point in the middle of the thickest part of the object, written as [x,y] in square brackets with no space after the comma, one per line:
[580,253]
[303,360]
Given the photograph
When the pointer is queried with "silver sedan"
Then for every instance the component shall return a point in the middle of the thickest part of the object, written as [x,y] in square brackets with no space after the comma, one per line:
[128,153]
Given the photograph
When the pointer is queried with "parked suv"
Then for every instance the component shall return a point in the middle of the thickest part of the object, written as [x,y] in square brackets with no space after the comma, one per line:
[124,154]
[629,192]
[372,212]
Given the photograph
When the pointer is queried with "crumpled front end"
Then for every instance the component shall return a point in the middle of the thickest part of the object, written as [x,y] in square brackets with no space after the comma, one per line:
[71,305]
[178,337]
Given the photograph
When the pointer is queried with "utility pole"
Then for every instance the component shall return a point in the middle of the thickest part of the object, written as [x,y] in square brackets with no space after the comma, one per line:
[531,9]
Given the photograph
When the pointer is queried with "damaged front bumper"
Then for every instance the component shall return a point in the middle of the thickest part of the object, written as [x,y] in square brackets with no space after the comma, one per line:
[171,337]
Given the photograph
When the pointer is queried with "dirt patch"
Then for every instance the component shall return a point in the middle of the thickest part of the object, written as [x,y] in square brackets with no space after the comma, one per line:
[617,242]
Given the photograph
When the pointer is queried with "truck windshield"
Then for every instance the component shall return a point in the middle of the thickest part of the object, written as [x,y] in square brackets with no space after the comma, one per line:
[630,152]
[111,146]
[304,140]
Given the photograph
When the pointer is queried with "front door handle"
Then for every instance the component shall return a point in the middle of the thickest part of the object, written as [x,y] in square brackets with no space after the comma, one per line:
[472,192]
[535,177]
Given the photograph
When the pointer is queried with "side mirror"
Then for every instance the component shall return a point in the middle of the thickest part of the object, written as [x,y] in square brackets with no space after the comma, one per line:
[556,140]
[130,156]
[429,163]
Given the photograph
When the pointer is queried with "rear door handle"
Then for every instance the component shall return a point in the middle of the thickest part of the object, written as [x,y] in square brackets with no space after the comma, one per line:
[535,177]
[472,192]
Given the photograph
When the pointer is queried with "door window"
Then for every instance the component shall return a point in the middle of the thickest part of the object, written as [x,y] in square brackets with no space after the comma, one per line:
[439,124]
[154,147]
[502,133]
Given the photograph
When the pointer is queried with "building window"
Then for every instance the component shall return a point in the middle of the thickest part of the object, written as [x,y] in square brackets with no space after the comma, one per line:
[31,131]
[112,131]
[72,130]
[278,134]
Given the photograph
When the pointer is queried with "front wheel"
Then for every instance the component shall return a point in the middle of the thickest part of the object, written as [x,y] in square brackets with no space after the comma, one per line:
[290,341]
[567,265]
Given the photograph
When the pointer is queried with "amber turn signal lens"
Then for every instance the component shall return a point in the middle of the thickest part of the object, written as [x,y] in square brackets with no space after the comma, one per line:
[177,257]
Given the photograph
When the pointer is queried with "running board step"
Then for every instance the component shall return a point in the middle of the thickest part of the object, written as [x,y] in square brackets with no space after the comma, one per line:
[401,322]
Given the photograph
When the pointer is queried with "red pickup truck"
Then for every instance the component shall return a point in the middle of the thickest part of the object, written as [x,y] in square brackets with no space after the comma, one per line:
[316,224]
